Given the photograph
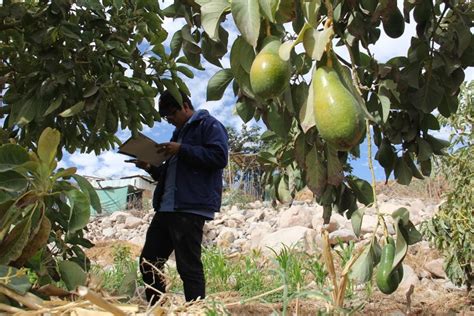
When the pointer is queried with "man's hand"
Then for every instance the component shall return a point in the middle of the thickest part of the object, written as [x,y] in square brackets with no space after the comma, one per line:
[140,164]
[170,148]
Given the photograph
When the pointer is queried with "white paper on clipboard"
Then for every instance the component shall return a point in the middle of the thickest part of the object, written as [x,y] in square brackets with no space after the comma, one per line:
[143,148]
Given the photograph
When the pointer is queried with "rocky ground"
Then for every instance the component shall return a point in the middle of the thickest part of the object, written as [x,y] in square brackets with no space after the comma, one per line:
[257,225]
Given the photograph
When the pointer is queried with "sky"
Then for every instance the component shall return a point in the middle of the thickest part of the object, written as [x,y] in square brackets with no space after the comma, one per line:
[110,164]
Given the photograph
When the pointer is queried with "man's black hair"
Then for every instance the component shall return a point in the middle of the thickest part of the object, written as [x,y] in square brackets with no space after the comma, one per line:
[167,103]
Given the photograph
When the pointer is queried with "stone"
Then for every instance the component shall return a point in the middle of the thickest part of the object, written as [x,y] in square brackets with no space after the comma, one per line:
[295,216]
[409,278]
[435,267]
[369,222]
[119,217]
[108,232]
[257,232]
[226,237]
[301,237]
[317,223]
[132,222]
[344,235]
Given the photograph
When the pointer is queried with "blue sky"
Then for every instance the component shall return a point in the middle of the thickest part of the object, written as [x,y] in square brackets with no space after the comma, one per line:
[110,164]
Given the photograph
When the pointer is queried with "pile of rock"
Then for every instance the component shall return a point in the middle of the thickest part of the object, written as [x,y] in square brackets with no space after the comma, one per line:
[258,225]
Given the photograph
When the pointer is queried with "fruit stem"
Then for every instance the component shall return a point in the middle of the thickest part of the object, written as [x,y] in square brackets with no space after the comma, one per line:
[357,83]
[267,28]
[330,11]
[380,218]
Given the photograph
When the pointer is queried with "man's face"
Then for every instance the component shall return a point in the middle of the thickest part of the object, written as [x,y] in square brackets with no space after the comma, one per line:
[177,117]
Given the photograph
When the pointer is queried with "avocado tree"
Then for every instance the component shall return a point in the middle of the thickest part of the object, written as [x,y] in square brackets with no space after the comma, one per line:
[77,66]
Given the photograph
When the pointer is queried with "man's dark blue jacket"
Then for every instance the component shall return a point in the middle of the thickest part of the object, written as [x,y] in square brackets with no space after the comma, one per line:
[201,159]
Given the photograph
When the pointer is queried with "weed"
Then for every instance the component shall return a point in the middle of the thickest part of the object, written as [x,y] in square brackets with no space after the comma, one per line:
[122,277]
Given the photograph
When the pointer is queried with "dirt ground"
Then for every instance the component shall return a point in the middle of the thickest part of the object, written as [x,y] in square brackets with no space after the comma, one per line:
[103,252]
[430,299]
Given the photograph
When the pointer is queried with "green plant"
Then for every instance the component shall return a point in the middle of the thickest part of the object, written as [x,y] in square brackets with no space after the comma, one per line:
[317,269]
[251,276]
[40,205]
[450,230]
[291,268]
[217,269]
[122,277]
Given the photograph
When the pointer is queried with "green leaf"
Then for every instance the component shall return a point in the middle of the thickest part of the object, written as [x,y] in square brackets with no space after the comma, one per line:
[386,157]
[306,114]
[218,83]
[269,8]
[283,192]
[11,156]
[176,43]
[428,97]
[437,144]
[80,210]
[277,120]
[403,173]
[401,247]
[14,242]
[356,221]
[89,190]
[285,50]
[72,274]
[185,71]
[315,42]
[246,14]
[55,105]
[316,173]
[310,10]
[211,13]
[14,279]
[73,110]
[410,233]
[246,109]
[169,84]
[12,181]
[363,267]
[335,171]
[430,122]
[401,215]
[414,170]
[241,55]
[424,149]
[267,158]
[90,92]
[26,114]
[64,173]
[5,197]
[300,150]
[385,106]
[362,189]
[48,145]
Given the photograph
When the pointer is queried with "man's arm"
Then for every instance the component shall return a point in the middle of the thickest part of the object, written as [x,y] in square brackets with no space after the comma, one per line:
[154,171]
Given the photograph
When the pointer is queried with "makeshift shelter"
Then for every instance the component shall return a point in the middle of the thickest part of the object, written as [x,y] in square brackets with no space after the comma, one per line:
[124,193]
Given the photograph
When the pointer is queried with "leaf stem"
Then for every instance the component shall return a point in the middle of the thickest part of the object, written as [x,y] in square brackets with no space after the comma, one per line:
[380,218]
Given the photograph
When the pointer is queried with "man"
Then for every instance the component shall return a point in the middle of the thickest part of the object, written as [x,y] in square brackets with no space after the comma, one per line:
[188,192]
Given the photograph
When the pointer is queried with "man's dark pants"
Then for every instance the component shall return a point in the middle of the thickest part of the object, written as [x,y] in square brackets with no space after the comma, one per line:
[181,232]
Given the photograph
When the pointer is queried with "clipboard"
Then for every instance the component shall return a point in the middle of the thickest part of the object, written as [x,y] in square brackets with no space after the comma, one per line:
[143,148]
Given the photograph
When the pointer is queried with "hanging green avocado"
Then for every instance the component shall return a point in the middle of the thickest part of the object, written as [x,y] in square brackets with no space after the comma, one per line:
[393,22]
[338,115]
[269,74]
